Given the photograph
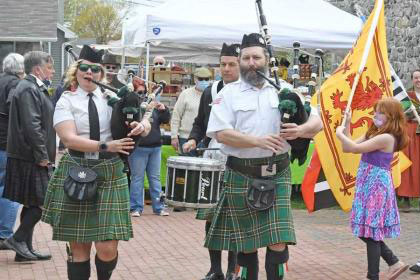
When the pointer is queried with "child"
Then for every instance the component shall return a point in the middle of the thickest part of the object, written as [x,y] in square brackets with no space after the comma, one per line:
[374,214]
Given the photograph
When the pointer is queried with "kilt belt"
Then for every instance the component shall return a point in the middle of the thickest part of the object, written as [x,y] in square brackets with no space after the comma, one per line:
[256,168]
[102,155]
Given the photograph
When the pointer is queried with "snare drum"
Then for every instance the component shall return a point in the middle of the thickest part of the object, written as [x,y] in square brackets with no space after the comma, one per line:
[193,182]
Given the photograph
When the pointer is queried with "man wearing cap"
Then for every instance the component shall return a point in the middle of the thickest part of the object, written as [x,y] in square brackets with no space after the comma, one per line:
[186,109]
[229,68]
[254,208]
[111,65]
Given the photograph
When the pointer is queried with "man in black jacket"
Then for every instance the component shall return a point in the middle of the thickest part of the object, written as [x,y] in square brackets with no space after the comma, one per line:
[12,74]
[30,150]
[229,68]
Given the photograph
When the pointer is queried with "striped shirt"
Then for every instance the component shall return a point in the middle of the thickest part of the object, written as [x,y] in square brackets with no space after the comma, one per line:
[184,113]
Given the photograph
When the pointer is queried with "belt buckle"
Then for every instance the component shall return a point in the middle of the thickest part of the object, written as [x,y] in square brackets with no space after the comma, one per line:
[91,155]
[265,172]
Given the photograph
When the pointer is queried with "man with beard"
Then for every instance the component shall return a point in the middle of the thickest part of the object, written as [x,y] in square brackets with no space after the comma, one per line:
[254,208]
[229,68]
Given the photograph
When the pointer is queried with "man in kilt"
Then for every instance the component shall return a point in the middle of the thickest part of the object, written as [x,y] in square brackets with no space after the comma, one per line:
[30,150]
[229,68]
[254,208]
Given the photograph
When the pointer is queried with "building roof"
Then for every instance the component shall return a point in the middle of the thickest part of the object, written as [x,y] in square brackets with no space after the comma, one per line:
[28,20]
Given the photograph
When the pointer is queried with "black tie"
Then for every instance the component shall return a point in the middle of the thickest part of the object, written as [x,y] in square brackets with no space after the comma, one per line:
[93,119]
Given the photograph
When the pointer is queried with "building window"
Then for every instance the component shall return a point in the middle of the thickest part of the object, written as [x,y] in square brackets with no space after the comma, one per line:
[5,49]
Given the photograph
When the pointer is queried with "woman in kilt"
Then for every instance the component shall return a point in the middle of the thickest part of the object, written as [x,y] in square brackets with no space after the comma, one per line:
[82,121]
[30,150]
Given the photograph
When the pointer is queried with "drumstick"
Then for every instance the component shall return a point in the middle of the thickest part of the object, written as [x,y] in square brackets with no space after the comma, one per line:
[208,149]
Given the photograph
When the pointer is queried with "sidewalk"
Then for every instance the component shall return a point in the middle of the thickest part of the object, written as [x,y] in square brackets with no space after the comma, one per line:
[171,248]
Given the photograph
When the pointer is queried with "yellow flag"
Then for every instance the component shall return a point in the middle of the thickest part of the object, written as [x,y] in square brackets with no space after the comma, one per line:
[374,84]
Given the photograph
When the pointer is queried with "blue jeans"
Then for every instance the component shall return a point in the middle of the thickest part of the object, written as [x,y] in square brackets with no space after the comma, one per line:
[8,209]
[145,160]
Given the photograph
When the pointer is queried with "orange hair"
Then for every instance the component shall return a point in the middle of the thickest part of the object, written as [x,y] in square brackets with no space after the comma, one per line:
[395,122]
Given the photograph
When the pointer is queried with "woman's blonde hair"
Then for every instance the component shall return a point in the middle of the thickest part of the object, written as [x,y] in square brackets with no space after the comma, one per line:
[71,78]
[395,122]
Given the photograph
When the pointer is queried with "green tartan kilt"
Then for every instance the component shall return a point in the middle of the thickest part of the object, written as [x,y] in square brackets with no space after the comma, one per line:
[107,218]
[236,227]
[205,213]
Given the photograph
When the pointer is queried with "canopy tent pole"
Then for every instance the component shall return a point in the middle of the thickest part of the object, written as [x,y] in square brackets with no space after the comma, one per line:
[147,61]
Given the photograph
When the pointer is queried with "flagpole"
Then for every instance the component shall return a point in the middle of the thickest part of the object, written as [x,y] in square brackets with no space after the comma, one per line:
[364,57]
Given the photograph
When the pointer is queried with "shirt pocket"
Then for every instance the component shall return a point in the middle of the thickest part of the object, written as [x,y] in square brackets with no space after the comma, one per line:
[246,116]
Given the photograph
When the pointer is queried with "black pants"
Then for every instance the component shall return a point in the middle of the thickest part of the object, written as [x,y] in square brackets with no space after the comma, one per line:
[376,250]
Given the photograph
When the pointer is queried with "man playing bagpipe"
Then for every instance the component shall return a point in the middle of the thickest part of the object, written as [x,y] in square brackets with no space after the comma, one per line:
[254,208]
[229,68]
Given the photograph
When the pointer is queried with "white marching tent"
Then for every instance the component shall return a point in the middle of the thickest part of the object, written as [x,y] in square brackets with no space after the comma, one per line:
[205,24]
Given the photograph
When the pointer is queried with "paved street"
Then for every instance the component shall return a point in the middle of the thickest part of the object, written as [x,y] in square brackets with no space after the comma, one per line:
[172,248]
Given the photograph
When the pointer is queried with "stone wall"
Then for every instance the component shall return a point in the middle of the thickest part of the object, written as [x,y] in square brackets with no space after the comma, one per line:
[403,32]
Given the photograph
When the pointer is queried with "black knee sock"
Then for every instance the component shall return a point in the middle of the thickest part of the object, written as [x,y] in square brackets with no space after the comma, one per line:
[215,261]
[31,217]
[104,269]
[215,256]
[232,261]
[78,270]
[250,263]
[274,261]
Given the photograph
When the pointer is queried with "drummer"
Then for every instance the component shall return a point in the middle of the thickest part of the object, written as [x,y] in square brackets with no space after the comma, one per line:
[229,68]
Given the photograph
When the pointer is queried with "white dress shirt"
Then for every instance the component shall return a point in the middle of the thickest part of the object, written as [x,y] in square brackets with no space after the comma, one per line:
[75,105]
[249,110]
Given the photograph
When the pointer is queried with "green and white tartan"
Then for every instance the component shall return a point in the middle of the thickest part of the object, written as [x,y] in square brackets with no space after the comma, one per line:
[236,227]
[107,218]
[205,213]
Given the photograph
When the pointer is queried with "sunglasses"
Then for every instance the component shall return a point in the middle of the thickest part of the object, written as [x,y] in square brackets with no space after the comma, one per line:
[108,67]
[159,63]
[203,79]
[94,68]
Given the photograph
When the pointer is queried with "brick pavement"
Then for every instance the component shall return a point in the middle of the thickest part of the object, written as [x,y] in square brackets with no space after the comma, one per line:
[171,248]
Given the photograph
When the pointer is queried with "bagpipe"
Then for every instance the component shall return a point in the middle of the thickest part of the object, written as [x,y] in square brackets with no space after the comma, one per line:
[292,108]
[127,107]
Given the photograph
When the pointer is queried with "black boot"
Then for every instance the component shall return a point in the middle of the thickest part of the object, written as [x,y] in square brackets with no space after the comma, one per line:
[40,256]
[249,264]
[78,270]
[274,261]
[104,269]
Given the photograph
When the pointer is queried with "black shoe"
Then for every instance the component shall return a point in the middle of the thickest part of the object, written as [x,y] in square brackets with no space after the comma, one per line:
[19,258]
[232,276]
[415,268]
[2,245]
[20,247]
[214,276]
[41,256]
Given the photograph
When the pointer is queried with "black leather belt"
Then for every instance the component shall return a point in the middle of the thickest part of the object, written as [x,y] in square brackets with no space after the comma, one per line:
[102,155]
[257,167]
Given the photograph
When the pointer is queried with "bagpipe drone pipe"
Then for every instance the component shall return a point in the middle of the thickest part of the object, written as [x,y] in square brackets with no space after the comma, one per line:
[291,107]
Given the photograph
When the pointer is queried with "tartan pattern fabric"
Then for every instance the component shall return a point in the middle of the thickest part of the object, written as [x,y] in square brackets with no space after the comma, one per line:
[205,213]
[236,227]
[26,182]
[107,218]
